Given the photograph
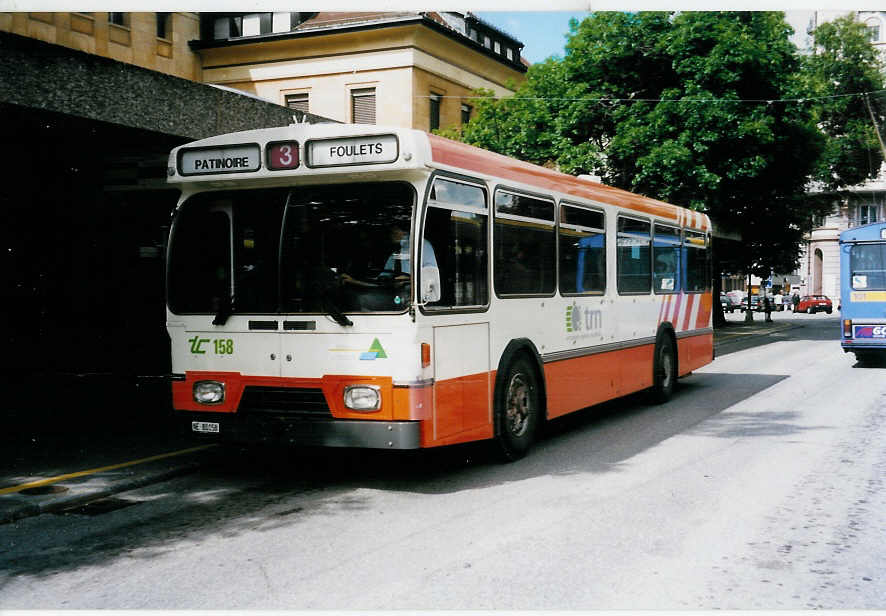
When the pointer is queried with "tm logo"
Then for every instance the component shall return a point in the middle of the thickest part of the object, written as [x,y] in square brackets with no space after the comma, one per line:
[196,344]
[578,318]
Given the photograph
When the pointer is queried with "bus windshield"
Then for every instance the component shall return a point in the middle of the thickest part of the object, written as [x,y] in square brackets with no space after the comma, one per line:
[867,267]
[313,249]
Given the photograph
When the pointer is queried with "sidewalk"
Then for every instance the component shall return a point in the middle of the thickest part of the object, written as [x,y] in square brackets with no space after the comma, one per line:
[53,466]
[56,472]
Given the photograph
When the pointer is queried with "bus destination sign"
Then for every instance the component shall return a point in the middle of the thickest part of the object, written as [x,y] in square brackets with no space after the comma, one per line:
[371,150]
[231,159]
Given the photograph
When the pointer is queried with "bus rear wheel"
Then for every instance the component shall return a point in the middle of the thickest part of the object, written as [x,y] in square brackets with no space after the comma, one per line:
[664,370]
[517,410]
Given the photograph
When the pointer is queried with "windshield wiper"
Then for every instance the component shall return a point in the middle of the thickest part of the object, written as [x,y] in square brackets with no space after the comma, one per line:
[224,312]
[336,314]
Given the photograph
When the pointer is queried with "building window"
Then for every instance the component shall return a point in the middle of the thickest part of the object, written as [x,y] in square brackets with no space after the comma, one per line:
[164,25]
[256,24]
[281,22]
[465,113]
[299,102]
[497,47]
[435,100]
[510,53]
[118,19]
[227,27]
[487,42]
[363,106]
[873,28]
[867,214]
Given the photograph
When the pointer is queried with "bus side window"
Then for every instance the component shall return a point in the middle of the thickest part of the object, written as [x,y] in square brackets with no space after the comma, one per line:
[456,227]
[696,258]
[633,255]
[666,259]
[582,241]
[525,245]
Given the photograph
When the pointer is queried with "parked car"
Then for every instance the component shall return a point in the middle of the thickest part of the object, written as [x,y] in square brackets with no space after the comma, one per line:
[815,303]
[754,305]
[729,304]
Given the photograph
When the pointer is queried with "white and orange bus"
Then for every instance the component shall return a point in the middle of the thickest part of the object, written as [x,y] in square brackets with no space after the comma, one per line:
[363,286]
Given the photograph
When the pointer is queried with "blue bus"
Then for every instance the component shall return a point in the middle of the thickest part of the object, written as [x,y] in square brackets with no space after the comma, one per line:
[863,291]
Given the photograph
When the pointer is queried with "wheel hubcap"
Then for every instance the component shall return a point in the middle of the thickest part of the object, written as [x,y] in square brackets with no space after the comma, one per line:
[519,405]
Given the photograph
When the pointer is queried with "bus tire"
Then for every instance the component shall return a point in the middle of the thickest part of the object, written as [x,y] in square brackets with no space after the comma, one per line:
[664,369]
[517,409]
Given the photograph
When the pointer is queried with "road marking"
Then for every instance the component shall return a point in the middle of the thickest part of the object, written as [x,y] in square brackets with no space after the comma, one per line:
[43,482]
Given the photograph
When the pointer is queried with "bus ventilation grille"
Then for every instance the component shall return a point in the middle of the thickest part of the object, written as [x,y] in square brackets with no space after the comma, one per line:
[289,401]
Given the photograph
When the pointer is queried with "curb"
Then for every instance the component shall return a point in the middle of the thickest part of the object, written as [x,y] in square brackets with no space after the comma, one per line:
[13,513]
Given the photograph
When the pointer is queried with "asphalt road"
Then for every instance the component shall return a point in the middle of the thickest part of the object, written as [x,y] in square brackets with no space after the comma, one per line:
[760,485]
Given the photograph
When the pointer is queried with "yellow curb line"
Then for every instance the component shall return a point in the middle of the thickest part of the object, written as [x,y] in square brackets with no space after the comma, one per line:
[43,482]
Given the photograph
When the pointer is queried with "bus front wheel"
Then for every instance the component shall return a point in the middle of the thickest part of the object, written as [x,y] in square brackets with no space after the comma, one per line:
[664,375]
[517,410]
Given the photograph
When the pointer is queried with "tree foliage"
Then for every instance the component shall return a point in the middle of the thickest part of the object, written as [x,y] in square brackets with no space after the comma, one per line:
[845,64]
[716,111]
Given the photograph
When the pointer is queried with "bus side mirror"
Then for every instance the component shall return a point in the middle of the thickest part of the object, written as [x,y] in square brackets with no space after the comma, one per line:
[430,284]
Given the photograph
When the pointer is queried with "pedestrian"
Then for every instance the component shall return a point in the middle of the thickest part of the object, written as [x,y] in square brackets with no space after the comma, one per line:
[767,308]
[796,301]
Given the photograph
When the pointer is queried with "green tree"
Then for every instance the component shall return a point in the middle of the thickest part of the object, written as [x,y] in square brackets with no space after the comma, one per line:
[843,65]
[525,125]
[716,111]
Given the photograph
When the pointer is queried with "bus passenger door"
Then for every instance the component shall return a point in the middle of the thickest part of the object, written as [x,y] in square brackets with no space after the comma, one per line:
[461,378]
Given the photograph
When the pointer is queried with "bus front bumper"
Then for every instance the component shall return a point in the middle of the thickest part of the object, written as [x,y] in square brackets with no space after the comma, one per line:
[275,429]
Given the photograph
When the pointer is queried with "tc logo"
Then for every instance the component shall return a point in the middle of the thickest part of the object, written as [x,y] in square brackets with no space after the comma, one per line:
[196,344]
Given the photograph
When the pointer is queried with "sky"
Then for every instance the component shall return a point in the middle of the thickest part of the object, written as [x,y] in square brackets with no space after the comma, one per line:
[544,32]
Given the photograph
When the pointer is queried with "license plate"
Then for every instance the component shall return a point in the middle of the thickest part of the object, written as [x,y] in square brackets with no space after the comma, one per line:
[204,426]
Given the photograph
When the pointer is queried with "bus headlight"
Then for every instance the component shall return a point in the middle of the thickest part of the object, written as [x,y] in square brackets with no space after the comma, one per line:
[209,392]
[363,397]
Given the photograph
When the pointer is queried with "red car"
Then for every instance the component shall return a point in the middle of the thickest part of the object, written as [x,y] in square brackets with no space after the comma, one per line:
[815,303]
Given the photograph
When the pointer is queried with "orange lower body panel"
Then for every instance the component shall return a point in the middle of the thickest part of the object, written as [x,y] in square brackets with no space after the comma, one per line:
[459,410]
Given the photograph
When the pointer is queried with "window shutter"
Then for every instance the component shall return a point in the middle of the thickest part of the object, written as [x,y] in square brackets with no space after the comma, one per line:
[363,106]
[299,102]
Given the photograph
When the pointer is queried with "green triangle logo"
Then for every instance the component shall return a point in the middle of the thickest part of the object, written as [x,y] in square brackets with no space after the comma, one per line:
[378,350]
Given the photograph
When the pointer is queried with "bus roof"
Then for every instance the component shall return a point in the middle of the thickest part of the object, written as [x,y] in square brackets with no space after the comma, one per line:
[872,232]
[328,149]
[466,157]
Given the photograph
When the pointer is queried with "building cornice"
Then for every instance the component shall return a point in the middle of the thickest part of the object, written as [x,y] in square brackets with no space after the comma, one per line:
[418,19]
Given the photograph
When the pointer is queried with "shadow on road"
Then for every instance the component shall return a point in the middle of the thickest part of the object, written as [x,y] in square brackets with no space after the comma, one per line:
[249,490]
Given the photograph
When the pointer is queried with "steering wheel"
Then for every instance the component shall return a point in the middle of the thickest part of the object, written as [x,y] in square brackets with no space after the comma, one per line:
[388,278]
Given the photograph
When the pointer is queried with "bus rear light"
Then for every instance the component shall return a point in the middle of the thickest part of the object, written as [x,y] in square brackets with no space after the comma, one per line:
[209,392]
[364,398]
[847,328]
[425,354]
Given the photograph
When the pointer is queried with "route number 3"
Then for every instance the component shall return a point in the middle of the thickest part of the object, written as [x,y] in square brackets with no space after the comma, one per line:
[283,155]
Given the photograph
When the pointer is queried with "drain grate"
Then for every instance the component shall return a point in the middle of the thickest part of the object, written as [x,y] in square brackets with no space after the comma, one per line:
[42,490]
[100,507]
